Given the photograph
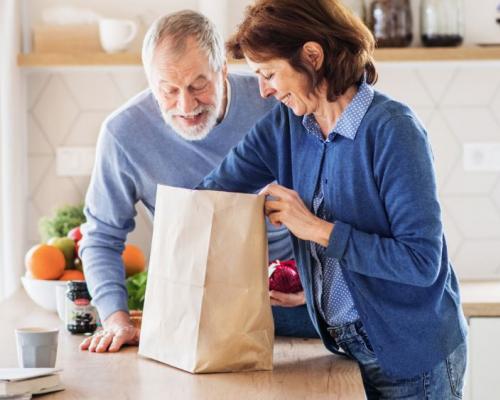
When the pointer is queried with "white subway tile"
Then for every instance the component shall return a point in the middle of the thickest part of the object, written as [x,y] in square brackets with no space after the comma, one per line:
[37,141]
[93,90]
[476,217]
[472,124]
[54,192]
[86,128]
[473,86]
[445,147]
[38,165]
[436,78]
[35,82]
[461,182]
[453,236]
[55,111]
[130,82]
[404,85]
[478,259]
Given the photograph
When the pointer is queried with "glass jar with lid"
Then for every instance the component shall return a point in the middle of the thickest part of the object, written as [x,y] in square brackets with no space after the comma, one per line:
[81,316]
[391,22]
[441,23]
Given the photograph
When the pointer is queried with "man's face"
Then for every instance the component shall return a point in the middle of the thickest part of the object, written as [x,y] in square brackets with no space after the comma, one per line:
[190,94]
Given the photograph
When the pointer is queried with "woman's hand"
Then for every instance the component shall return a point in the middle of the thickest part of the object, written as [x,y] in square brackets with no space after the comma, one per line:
[287,299]
[287,208]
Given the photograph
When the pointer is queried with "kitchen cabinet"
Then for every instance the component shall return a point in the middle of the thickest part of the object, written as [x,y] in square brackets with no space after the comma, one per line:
[481,302]
[483,379]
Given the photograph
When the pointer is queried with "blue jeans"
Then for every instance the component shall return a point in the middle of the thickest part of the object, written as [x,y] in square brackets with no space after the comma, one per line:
[443,382]
[293,321]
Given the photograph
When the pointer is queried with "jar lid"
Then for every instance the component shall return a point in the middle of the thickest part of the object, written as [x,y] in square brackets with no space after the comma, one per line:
[77,285]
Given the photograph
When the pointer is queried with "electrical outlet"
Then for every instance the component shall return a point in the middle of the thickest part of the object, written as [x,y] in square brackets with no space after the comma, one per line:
[481,157]
[75,161]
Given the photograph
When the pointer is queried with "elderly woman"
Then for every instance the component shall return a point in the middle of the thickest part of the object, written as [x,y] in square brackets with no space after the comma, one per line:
[357,189]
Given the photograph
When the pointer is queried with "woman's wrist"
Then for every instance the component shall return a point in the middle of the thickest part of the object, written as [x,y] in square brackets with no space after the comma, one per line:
[322,232]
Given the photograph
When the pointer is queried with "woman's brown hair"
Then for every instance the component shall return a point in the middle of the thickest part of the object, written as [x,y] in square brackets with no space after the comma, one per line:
[279,28]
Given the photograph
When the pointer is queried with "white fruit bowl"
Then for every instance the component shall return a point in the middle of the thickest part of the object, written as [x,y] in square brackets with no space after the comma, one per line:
[42,292]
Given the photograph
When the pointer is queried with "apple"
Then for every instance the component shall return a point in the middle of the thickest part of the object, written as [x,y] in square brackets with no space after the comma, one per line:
[67,246]
[75,234]
[78,265]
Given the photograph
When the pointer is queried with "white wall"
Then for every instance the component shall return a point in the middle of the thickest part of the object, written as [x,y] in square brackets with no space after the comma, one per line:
[479,16]
[145,11]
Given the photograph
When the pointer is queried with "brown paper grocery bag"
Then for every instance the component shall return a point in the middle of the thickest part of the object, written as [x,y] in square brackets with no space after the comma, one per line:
[207,306]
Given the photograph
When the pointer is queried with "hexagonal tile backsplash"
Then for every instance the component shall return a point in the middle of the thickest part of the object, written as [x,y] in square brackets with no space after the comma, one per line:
[67,109]
[457,102]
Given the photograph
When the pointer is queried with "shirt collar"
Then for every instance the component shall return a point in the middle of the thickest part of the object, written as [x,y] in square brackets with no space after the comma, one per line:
[350,119]
[228,98]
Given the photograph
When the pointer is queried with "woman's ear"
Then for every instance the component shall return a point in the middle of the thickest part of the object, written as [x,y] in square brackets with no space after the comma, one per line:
[313,53]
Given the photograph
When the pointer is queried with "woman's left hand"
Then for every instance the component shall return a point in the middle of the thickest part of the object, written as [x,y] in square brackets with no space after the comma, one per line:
[287,208]
[287,299]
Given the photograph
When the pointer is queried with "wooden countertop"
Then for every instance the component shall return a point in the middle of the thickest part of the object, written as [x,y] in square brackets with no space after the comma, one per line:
[303,368]
[481,299]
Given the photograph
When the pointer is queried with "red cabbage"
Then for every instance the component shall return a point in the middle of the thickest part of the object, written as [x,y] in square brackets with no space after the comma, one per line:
[283,277]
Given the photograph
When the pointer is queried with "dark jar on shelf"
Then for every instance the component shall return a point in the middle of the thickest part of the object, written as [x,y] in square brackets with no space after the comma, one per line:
[441,23]
[81,315]
[391,22]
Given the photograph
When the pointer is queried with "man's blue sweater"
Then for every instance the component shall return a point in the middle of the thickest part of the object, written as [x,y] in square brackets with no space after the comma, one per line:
[388,234]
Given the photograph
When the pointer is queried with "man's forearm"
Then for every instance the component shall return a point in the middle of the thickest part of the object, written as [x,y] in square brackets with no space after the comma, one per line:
[105,276]
[121,318]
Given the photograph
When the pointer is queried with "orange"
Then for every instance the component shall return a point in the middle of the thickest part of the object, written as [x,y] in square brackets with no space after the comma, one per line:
[44,261]
[133,260]
[72,275]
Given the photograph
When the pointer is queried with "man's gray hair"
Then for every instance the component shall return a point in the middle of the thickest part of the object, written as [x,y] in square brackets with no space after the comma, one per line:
[179,26]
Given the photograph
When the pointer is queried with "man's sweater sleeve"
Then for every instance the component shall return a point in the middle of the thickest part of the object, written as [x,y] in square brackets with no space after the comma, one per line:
[251,164]
[110,212]
[404,173]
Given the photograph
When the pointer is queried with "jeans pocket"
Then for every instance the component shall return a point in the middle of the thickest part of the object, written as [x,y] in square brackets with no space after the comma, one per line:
[356,348]
[363,339]
[456,364]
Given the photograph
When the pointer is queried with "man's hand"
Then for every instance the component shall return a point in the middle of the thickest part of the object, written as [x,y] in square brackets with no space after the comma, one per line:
[287,299]
[287,208]
[118,331]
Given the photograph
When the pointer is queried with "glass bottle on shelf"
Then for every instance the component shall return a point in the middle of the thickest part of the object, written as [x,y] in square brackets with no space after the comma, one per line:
[391,22]
[441,23]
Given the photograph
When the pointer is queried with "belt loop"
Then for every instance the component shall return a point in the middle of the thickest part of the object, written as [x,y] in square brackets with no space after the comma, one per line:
[331,332]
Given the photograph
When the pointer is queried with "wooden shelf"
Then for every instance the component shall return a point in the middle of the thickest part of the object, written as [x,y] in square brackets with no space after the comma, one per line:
[77,59]
[381,55]
[463,53]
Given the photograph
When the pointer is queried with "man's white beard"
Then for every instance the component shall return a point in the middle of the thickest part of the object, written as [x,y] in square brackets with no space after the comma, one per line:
[200,131]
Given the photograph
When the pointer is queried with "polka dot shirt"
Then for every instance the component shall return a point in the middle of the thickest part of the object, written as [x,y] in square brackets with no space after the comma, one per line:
[332,295]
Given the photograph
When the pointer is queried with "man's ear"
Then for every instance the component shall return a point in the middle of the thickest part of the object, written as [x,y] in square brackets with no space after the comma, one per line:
[313,53]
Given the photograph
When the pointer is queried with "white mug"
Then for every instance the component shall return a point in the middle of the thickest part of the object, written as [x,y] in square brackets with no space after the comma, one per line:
[116,34]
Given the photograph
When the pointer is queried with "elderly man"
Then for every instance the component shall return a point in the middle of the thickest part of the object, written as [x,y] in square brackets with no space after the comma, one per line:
[174,134]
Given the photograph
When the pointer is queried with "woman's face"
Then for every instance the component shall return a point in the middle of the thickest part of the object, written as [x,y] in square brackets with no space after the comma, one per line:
[277,78]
